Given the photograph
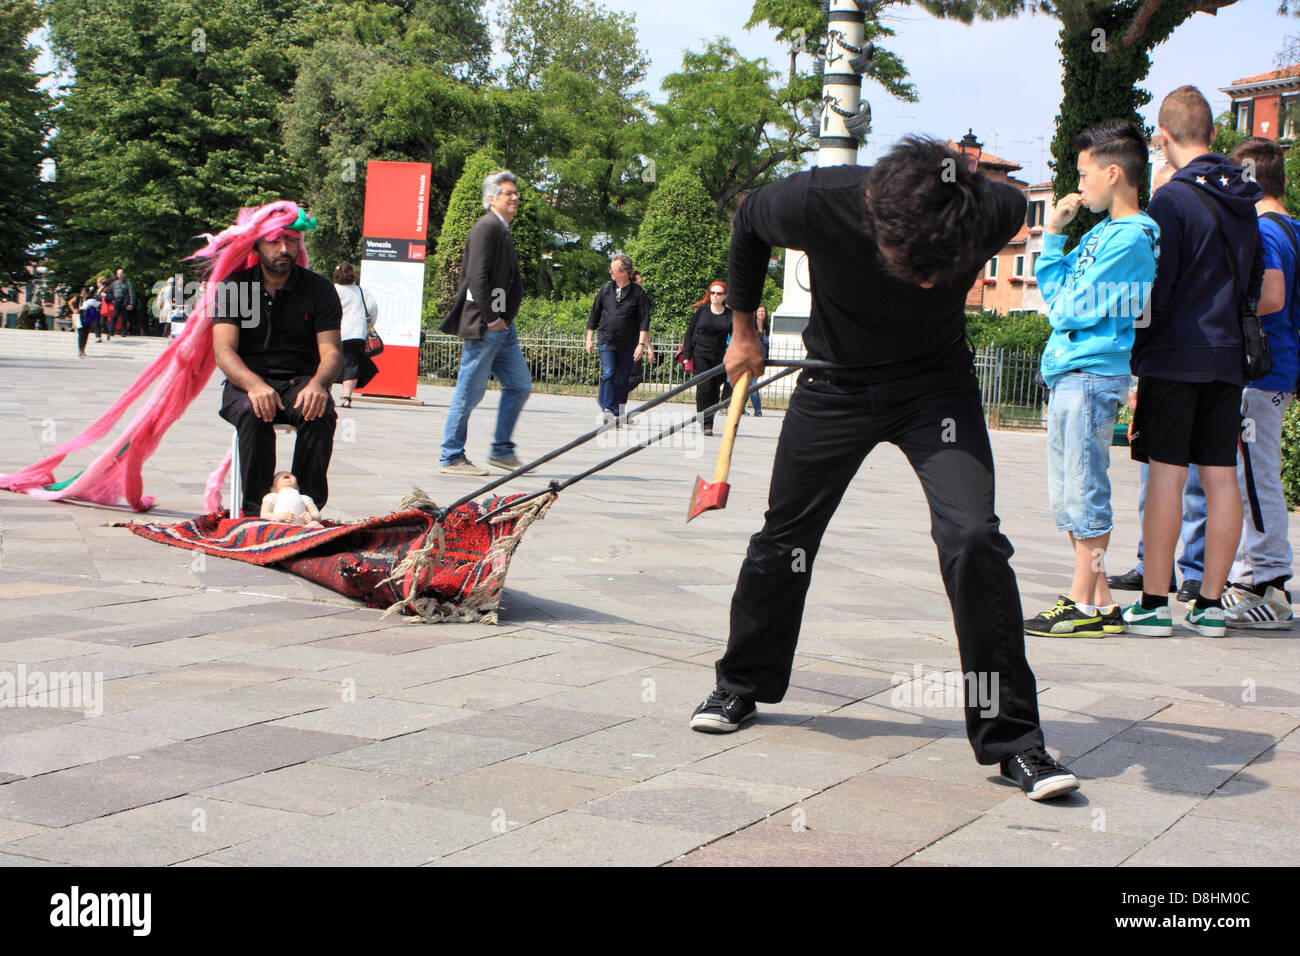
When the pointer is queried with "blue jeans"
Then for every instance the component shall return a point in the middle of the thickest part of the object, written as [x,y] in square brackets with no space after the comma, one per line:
[1081,414]
[497,353]
[615,371]
[1192,563]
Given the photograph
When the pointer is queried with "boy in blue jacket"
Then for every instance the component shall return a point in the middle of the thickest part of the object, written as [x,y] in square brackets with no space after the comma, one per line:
[1096,292]
[1191,362]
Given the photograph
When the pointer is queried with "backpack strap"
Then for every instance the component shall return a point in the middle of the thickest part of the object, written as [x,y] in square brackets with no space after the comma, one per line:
[1235,266]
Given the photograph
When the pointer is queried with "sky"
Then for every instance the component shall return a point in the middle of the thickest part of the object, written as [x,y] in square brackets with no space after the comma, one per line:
[1001,79]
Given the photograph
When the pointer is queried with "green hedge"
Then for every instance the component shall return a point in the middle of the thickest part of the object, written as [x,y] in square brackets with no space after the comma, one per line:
[1291,455]
[1024,331]
[566,316]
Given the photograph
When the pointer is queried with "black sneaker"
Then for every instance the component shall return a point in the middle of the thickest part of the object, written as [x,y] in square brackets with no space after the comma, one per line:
[1039,775]
[1190,590]
[1112,621]
[722,713]
[1064,619]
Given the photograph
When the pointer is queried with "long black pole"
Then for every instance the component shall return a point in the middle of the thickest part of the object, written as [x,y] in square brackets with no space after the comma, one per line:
[618,423]
[556,485]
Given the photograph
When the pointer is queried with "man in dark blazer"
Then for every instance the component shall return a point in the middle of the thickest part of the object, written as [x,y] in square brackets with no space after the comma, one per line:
[487,300]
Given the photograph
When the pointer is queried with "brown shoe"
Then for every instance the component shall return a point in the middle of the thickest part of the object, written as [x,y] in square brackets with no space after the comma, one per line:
[463,466]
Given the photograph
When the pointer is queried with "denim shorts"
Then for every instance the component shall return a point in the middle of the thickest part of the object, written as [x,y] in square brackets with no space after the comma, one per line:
[1081,411]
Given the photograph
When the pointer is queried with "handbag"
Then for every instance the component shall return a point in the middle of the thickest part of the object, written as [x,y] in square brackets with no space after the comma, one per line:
[374,344]
[1259,360]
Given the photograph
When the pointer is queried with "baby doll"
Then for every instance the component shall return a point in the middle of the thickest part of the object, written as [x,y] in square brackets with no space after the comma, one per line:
[285,503]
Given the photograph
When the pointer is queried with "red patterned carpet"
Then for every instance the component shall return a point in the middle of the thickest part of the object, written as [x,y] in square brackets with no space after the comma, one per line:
[453,570]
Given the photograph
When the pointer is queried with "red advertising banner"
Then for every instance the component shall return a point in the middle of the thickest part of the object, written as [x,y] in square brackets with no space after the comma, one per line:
[394,236]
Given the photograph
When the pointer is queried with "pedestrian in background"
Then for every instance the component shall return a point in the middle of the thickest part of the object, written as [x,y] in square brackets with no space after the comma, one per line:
[705,343]
[620,317]
[360,312]
[491,288]
[87,312]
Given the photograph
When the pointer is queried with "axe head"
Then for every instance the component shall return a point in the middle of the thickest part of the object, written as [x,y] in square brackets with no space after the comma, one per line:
[708,496]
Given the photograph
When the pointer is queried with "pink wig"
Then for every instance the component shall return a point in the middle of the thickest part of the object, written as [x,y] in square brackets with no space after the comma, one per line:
[180,373]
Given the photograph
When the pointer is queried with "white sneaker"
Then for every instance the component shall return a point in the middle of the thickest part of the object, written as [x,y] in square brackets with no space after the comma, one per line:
[1235,594]
[1252,612]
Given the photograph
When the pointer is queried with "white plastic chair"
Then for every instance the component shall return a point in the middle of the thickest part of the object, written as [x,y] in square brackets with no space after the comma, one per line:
[236,491]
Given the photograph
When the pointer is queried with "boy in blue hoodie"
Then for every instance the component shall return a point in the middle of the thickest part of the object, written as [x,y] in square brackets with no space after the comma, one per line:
[1191,362]
[1095,293]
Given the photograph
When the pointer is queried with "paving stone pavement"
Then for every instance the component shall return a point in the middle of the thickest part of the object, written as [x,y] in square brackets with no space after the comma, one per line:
[240,715]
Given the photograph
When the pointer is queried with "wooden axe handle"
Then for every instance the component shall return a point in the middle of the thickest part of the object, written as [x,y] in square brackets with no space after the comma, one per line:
[739,396]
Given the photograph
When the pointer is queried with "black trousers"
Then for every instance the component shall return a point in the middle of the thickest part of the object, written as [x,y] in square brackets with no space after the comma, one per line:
[706,393]
[937,421]
[311,450]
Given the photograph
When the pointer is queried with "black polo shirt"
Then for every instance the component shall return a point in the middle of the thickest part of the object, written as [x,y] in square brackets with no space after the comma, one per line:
[277,334]
[620,314]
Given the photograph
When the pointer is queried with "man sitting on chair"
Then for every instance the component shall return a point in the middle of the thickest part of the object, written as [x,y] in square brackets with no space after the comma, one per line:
[275,335]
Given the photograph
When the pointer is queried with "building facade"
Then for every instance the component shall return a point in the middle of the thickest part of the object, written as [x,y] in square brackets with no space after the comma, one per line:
[1266,104]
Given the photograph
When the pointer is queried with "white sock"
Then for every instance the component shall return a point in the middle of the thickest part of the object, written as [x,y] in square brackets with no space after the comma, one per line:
[1087,609]
[1107,609]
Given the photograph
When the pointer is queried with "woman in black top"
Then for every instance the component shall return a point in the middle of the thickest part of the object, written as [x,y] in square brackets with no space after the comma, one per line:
[706,341]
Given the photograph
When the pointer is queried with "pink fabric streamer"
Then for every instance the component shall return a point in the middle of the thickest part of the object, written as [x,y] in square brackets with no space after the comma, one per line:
[180,373]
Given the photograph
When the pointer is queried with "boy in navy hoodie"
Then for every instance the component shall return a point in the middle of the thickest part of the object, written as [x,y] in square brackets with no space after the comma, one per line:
[1096,291]
[1190,360]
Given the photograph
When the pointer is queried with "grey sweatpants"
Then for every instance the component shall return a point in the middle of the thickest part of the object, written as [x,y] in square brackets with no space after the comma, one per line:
[1262,555]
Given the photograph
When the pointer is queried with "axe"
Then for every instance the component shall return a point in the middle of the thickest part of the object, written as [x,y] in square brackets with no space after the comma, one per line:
[713,495]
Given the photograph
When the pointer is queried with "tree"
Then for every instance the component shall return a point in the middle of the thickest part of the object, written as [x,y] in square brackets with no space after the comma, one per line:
[581,65]
[724,120]
[24,125]
[1106,55]
[168,128]
[1226,136]
[392,80]
[680,248]
[583,37]
[804,24]
[463,210]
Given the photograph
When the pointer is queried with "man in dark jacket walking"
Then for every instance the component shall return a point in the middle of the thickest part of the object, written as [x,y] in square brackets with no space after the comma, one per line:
[487,300]
[621,317]
[1190,360]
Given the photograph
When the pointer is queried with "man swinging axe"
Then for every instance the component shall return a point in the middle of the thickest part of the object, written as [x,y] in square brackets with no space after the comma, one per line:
[892,250]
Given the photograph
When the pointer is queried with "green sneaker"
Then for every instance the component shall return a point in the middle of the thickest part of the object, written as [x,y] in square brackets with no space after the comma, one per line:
[1156,623]
[1207,622]
[1065,619]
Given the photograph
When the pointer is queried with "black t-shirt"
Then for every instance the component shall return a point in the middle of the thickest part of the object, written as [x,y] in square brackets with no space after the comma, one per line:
[277,335]
[862,317]
[708,332]
[620,317]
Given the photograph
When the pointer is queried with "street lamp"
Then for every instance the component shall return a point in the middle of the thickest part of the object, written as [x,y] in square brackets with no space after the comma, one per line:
[972,149]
